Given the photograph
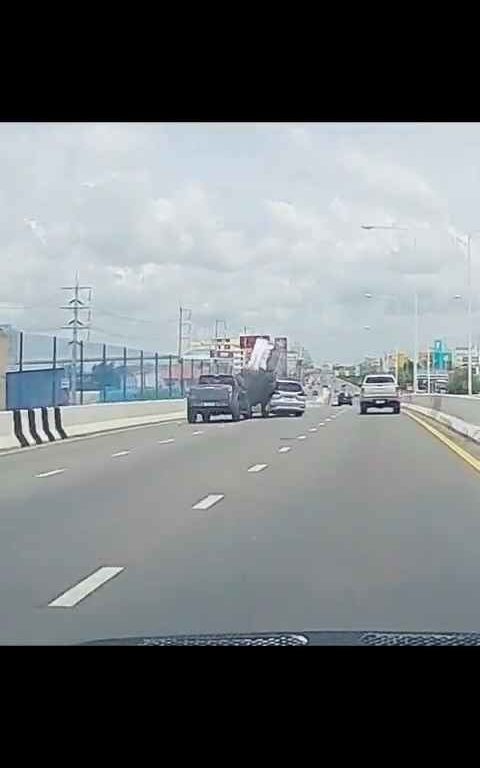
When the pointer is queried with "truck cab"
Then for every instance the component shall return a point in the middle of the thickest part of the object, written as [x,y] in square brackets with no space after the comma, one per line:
[217,395]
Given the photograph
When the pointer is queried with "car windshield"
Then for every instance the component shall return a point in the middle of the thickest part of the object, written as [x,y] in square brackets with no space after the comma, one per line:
[216,380]
[289,386]
[379,380]
[239,376]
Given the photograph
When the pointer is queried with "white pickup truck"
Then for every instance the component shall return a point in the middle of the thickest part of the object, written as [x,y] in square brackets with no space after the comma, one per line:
[379,390]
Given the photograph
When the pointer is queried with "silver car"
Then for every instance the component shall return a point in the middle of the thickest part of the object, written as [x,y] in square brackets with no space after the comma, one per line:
[288,398]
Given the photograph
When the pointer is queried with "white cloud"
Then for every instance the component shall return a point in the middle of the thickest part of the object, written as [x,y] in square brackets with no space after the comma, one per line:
[251,223]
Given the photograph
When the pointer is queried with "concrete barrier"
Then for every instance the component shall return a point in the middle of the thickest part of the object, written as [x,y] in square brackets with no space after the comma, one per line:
[465,407]
[452,422]
[8,439]
[36,426]
[99,417]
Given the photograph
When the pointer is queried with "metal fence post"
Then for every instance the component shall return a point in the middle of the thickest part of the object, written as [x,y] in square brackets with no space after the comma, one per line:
[81,373]
[141,375]
[104,363]
[54,368]
[20,352]
[182,383]
[156,375]
[124,382]
[170,376]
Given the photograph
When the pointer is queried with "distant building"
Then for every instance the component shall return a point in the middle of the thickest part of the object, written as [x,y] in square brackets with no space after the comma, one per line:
[460,358]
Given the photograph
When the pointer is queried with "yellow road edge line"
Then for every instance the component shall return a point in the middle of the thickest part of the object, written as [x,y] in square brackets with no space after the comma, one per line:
[475,463]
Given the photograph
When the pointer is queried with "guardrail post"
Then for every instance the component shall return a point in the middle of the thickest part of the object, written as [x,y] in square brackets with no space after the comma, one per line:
[81,373]
[104,363]
[54,368]
[156,375]
[20,352]
[124,380]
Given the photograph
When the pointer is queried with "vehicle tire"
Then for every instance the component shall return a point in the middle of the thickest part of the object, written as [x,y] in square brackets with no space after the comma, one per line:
[298,413]
[363,409]
[191,416]
[248,413]
[396,409]
[235,412]
[265,411]
[205,417]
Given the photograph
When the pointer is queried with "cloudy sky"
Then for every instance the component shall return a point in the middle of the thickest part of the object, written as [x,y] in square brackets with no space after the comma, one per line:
[254,224]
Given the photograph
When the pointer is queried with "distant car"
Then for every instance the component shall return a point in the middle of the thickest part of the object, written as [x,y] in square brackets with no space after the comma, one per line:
[344,398]
[315,393]
[379,391]
[288,398]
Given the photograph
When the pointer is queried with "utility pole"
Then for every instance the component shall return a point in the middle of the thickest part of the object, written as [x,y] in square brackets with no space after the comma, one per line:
[75,324]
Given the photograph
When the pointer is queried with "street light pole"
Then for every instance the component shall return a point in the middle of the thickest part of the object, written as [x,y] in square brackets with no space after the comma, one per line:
[415,312]
[415,343]
[469,289]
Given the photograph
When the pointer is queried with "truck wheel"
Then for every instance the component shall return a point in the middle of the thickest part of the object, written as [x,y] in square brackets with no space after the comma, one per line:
[235,412]
[363,408]
[206,417]
[396,408]
[191,416]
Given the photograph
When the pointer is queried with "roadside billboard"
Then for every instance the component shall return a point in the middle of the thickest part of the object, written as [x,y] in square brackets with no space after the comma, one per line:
[248,342]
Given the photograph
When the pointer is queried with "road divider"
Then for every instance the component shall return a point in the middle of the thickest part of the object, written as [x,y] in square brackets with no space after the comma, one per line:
[454,423]
[37,426]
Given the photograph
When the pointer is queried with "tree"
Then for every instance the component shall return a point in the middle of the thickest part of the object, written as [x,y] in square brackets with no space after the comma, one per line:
[458,382]
[405,374]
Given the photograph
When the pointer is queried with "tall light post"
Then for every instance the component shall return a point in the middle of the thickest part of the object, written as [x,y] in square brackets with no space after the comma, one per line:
[467,241]
[415,300]
[394,298]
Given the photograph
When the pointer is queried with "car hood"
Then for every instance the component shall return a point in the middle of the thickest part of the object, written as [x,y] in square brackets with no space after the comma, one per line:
[303,638]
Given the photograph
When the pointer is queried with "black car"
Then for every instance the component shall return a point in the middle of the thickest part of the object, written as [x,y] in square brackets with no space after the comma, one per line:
[344,398]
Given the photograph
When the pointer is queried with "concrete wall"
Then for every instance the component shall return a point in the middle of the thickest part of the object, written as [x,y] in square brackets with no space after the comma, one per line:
[460,406]
[98,417]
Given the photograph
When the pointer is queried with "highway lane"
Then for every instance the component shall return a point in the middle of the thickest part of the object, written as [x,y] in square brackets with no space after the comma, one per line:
[368,522]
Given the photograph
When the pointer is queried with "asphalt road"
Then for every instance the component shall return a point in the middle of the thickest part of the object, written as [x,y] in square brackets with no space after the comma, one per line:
[369,522]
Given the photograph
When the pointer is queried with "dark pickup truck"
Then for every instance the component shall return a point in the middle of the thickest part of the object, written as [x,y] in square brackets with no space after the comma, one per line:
[218,395]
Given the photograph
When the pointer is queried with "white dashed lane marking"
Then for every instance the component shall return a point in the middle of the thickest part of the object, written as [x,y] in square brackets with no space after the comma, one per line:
[312,429]
[165,442]
[120,453]
[257,467]
[52,472]
[321,424]
[72,596]
[284,449]
[302,437]
[198,432]
[208,501]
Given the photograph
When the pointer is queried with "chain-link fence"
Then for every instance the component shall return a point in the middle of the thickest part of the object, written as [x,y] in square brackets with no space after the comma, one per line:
[106,373]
